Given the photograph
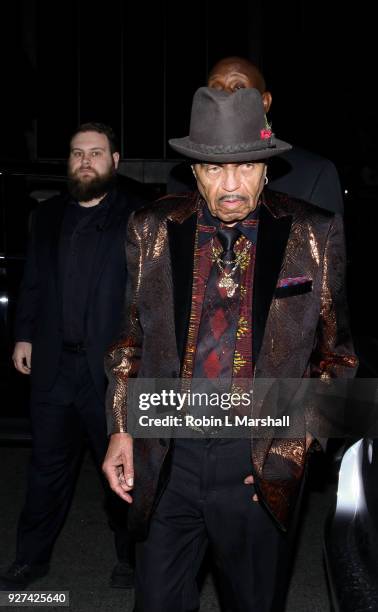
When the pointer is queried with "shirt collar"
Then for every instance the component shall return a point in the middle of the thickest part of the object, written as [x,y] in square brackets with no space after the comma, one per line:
[209,225]
[102,205]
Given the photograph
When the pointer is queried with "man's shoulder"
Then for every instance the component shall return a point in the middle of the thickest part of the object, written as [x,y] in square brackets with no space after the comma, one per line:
[173,207]
[307,175]
[127,201]
[134,191]
[283,204]
[304,157]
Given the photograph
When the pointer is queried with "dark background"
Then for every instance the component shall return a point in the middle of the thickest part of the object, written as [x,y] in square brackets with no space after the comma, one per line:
[136,65]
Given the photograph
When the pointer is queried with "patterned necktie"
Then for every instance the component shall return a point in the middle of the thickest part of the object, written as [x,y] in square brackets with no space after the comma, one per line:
[220,314]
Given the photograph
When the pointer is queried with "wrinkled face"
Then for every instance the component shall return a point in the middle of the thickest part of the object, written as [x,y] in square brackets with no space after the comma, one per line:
[231,191]
[91,165]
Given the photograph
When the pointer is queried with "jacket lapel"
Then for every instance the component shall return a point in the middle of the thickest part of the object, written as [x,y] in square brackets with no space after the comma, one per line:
[59,209]
[273,234]
[108,231]
[181,238]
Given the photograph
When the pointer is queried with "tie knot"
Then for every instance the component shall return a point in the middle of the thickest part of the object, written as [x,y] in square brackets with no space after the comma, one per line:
[227,237]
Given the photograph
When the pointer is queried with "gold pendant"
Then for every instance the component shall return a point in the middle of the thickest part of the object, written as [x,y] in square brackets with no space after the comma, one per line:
[227,283]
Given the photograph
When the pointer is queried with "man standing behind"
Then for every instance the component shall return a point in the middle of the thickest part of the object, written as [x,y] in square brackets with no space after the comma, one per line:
[68,312]
[236,282]
[298,172]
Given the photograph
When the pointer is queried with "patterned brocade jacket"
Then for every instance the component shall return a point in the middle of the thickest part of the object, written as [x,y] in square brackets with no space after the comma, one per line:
[300,329]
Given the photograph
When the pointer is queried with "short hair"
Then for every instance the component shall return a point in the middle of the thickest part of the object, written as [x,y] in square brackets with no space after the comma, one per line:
[100,128]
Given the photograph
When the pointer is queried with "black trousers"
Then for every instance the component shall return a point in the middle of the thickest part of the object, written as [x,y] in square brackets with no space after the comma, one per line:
[61,420]
[207,503]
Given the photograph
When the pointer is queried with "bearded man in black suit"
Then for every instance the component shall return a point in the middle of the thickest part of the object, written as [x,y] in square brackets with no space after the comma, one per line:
[69,310]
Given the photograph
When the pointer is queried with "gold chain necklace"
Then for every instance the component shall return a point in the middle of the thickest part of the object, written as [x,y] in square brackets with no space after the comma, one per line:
[226,281]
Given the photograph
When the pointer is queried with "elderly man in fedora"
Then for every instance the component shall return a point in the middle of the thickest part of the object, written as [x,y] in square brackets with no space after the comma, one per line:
[233,282]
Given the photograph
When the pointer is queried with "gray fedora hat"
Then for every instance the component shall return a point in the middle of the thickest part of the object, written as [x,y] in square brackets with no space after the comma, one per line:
[228,127]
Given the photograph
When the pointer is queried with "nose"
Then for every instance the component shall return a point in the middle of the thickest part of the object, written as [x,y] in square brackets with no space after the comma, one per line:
[86,160]
[231,179]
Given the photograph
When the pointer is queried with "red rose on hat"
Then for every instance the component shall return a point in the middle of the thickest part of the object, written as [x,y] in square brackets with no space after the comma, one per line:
[265,134]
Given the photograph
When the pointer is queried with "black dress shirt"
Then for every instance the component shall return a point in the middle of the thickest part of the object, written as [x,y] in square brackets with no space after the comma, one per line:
[79,239]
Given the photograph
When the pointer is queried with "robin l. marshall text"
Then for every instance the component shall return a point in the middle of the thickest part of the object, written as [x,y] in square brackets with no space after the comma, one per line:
[189,420]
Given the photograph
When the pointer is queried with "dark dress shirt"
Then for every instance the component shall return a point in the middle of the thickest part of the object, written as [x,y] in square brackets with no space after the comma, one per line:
[80,235]
[207,226]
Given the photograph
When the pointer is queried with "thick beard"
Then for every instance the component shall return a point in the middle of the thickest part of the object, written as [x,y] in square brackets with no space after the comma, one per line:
[85,191]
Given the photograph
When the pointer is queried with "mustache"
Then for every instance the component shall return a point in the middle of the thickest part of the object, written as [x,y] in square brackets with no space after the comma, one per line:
[233,197]
[91,170]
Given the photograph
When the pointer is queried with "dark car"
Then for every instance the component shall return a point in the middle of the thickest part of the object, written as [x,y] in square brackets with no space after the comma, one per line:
[351,533]
[21,189]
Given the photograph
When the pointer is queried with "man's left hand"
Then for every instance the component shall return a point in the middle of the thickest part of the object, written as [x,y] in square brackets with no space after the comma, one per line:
[249,480]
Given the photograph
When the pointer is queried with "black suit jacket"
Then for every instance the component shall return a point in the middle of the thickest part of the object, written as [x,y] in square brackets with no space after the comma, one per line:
[39,312]
[299,173]
[307,176]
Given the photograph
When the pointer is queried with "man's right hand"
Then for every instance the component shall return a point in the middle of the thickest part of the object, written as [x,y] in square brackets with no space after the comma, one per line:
[118,465]
[22,357]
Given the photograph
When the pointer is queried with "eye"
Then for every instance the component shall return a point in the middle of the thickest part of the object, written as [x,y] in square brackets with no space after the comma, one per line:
[238,85]
[248,166]
[213,169]
[76,154]
[96,153]
[215,84]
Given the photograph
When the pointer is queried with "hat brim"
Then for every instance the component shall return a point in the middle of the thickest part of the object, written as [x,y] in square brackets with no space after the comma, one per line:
[216,155]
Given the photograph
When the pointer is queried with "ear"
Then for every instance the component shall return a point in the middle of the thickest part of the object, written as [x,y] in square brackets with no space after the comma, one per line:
[115,157]
[267,100]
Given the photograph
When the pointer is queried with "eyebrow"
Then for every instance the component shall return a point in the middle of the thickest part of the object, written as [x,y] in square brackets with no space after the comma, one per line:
[91,149]
[235,73]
